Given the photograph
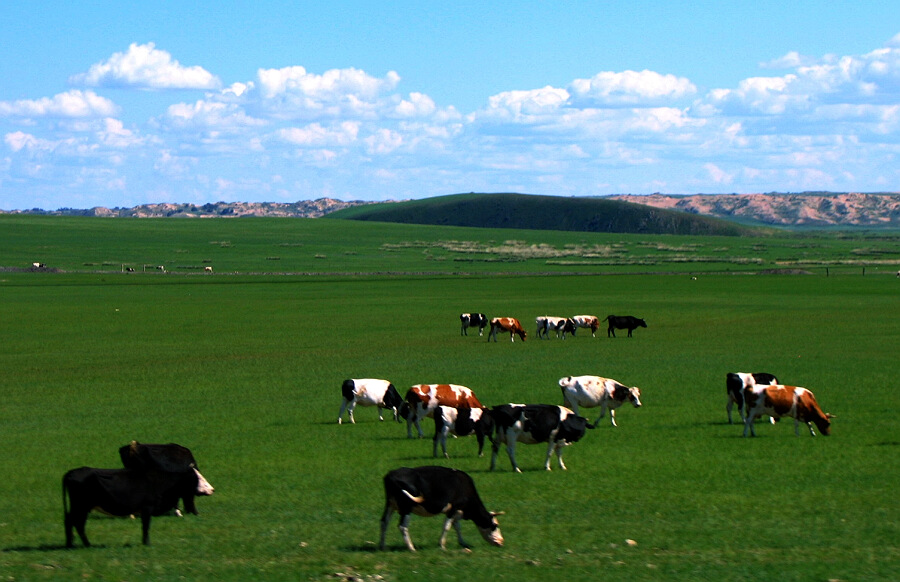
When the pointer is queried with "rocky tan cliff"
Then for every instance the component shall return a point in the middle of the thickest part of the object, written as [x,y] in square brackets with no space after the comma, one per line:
[808,209]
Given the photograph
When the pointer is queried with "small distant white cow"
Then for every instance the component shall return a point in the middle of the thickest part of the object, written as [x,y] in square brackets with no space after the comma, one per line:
[593,391]
[208,269]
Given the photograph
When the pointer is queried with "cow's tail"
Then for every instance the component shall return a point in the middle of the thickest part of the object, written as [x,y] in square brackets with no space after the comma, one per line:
[65,500]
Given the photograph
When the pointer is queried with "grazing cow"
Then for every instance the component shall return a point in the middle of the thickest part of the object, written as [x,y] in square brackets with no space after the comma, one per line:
[468,320]
[38,265]
[510,324]
[462,422]
[593,391]
[545,323]
[779,400]
[171,458]
[737,382]
[428,491]
[535,423]
[369,392]
[421,400]
[123,492]
[590,321]
[623,322]
[208,269]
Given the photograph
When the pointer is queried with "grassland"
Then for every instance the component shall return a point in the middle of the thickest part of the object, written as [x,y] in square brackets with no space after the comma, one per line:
[245,369]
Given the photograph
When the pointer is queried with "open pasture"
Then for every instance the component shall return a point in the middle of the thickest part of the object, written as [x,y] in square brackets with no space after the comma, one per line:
[246,371]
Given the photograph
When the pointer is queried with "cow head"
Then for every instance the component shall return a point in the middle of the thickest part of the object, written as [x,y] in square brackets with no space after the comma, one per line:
[572,428]
[492,534]
[823,423]
[640,322]
[634,396]
[393,401]
[203,486]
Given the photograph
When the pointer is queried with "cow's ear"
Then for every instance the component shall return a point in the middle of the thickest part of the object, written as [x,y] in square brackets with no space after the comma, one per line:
[829,415]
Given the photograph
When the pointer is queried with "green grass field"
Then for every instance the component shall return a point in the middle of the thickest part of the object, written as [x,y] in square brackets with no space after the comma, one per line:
[246,371]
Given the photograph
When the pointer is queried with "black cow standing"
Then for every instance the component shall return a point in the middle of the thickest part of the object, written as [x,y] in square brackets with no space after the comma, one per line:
[122,492]
[429,491]
[169,457]
[623,322]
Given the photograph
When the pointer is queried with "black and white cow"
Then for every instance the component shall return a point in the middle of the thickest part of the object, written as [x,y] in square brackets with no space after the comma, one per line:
[462,421]
[593,391]
[535,423]
[123,492]
[429,491]
[737,382]
[468,320]
[369,392]
[623,322]
[547,323]
[171,458]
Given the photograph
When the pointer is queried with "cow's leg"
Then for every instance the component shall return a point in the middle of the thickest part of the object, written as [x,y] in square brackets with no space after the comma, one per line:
[550,447]
[344,403]
[748,425]
[453,521]
[440,437]
[146,514]
[404,529]
[495,449]
[728,407]
[380,418]
[511,452]
[385,521]
[418,426]
[810,426]
[559,451]
[612,416]
[480,331]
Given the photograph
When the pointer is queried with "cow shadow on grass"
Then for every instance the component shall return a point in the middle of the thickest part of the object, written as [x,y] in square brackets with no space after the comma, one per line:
[49,548]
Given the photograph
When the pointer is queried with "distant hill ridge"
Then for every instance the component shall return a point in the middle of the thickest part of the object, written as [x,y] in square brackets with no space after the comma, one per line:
[773,209]
[525,211]
[806,209]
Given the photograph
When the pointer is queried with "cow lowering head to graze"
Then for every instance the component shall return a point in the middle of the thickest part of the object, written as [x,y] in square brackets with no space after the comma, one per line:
[171,458]
[535,423]
[369,392]
[737,382]
[460,421]
[421,400]
[593,391]
[429,491]
[468,320]
[123,492]
[779,400]
[510,324]
[623,322]
[589,321]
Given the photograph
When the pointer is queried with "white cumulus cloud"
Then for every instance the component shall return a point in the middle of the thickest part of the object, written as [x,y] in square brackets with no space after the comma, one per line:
[143,66]
[629,88]
[71,104]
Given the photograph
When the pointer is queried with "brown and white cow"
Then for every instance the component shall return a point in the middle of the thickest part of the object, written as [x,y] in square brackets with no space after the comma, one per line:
[421,400]
[510,324]
[590,321]
[593,391]
[779,400]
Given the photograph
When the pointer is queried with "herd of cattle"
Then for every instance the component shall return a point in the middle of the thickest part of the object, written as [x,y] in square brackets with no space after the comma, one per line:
[432,490]
[156,477]
[546,323]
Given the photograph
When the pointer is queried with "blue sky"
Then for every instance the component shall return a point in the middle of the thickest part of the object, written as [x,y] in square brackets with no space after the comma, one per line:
[119,103]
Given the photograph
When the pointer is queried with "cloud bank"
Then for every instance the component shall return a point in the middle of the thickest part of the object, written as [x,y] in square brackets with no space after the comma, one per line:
[827,123]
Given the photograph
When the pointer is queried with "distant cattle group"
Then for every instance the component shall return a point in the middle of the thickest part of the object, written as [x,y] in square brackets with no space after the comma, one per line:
[546,325]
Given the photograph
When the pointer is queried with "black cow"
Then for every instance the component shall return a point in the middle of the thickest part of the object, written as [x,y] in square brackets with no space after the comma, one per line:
[468,320]
[169,457]
[123,492]
[535,423]
[623,322]
[737,382]
[428,491]
[462,421]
